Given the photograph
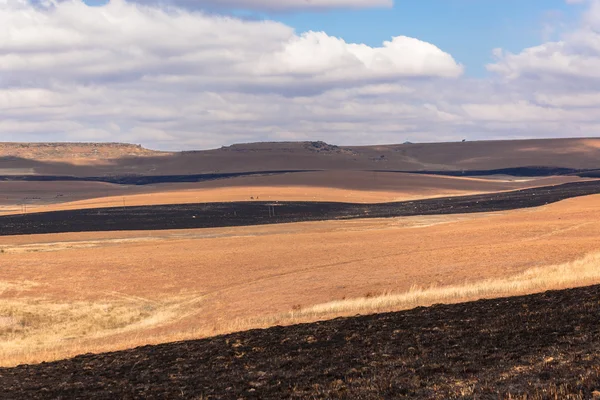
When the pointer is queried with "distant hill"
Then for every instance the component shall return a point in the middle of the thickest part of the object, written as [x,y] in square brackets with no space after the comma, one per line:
[69,151]
[100,159]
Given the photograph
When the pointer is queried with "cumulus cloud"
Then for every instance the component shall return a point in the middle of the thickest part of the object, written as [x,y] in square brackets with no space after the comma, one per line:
[576,55]
[317,53]
[553,85]
[125,42]
[144,73]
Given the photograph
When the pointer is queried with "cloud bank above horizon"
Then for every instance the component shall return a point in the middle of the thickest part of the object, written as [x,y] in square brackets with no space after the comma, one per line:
[179,78]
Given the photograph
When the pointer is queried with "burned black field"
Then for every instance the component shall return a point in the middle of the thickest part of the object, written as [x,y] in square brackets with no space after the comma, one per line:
[210,215]
[543,346]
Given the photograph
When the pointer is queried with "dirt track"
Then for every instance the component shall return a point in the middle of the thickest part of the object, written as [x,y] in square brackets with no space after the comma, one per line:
[186,216]
[543,345]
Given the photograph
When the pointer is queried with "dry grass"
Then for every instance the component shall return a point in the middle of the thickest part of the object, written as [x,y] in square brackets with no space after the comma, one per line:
[16,286]
[578,273]
[37,319]
[67,245]
[34,330]
[581,272]
[175,285]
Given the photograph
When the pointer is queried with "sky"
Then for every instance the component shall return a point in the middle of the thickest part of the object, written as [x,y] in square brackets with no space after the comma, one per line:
[197,74]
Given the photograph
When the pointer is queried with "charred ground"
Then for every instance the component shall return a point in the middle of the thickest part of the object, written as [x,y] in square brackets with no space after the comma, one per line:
[141,180]
[536,347]
[210,215]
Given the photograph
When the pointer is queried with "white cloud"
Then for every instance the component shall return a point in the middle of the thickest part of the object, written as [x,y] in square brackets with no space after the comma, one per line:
[317,53]
[123,42]
[579,99]
[576,55]
[145,73]
[553,86]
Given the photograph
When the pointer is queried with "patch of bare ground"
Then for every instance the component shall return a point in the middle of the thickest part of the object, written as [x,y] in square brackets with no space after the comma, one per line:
[196,283]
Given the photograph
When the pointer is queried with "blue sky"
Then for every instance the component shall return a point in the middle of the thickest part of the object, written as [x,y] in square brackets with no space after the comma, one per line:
[467,29]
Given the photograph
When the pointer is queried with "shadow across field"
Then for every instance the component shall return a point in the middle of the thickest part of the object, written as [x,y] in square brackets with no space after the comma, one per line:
[209,215]
[541,346]
[517,172]
[139,180]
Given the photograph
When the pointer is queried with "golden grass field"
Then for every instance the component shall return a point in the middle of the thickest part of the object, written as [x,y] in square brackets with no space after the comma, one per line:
[66,294]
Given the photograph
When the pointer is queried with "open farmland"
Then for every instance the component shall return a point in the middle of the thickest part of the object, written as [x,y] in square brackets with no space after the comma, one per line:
[208,215]
[299,199]
[188,283]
